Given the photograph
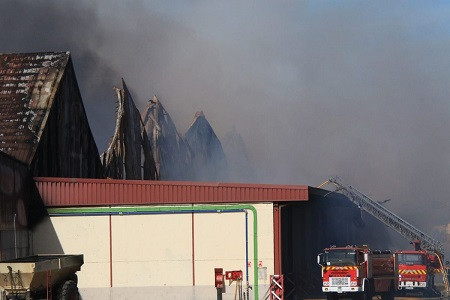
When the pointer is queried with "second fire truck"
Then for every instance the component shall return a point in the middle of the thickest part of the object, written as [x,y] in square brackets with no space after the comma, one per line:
[416,270]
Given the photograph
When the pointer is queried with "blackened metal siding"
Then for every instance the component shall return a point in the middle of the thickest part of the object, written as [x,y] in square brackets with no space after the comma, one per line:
[63,192]
[42,118]
[67,147]
[28,83]
[18,195]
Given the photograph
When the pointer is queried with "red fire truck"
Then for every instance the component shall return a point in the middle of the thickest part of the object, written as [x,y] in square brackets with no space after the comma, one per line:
[357,272]
[415,270]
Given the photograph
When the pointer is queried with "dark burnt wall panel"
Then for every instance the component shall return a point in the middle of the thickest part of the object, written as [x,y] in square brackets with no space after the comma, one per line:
[309,227]
[67,147]
[20,207]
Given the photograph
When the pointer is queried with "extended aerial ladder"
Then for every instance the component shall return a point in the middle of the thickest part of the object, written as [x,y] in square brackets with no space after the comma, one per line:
[391,220]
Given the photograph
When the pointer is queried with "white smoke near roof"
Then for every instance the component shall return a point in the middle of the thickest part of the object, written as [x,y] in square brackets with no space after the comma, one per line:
[315,88]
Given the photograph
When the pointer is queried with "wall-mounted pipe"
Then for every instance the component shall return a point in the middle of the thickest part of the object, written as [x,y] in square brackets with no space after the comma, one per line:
[138,210]
[15,236]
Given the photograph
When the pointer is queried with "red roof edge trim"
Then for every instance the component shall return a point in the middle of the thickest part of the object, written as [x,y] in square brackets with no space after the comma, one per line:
[175,183]
[63,192]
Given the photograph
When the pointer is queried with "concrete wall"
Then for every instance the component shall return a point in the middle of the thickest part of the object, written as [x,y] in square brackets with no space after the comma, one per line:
[78,235]
[153,254]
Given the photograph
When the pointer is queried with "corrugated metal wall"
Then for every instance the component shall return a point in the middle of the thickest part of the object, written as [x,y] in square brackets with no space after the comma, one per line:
[98,192]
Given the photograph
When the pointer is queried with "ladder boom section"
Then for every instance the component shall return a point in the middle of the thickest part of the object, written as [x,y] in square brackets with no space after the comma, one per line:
[387,217]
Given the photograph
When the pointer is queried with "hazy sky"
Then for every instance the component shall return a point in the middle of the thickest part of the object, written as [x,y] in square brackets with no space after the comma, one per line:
[316,88]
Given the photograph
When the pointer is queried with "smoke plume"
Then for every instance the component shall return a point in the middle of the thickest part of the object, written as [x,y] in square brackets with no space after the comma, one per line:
[315,88]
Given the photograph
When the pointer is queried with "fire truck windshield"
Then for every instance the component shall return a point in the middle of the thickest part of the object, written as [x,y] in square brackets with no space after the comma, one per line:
[410,259]
[340,258]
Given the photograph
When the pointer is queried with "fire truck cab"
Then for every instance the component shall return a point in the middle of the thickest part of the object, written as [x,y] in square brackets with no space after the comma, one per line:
[357,272]
[415,270]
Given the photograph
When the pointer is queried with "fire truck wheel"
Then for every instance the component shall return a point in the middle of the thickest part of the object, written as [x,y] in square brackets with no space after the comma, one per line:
[367,294]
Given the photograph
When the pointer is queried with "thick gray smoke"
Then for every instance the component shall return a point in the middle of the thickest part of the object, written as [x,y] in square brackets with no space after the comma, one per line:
[316,89]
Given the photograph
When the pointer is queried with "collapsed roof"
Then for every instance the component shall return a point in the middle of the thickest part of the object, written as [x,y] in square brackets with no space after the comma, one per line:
[209,159]
[129,147]
[172,154]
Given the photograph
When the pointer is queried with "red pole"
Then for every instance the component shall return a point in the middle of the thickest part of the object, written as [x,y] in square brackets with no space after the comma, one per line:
[277,238]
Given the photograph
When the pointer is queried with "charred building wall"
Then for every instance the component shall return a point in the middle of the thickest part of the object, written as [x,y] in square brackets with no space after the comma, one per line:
[42,121]
[129,154]
[309,227]
[67,147]
[20,208]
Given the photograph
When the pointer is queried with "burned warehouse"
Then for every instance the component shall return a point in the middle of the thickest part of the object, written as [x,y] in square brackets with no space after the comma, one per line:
[157,214]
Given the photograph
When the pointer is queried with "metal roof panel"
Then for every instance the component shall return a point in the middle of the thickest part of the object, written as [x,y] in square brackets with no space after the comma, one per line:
[65,192]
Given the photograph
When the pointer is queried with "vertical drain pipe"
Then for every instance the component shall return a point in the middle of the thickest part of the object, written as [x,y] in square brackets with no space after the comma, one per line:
[98,211]
[110,253]
[246,250]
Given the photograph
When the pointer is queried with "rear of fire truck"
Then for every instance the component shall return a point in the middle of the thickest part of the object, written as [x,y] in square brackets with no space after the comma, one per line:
[350,272]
